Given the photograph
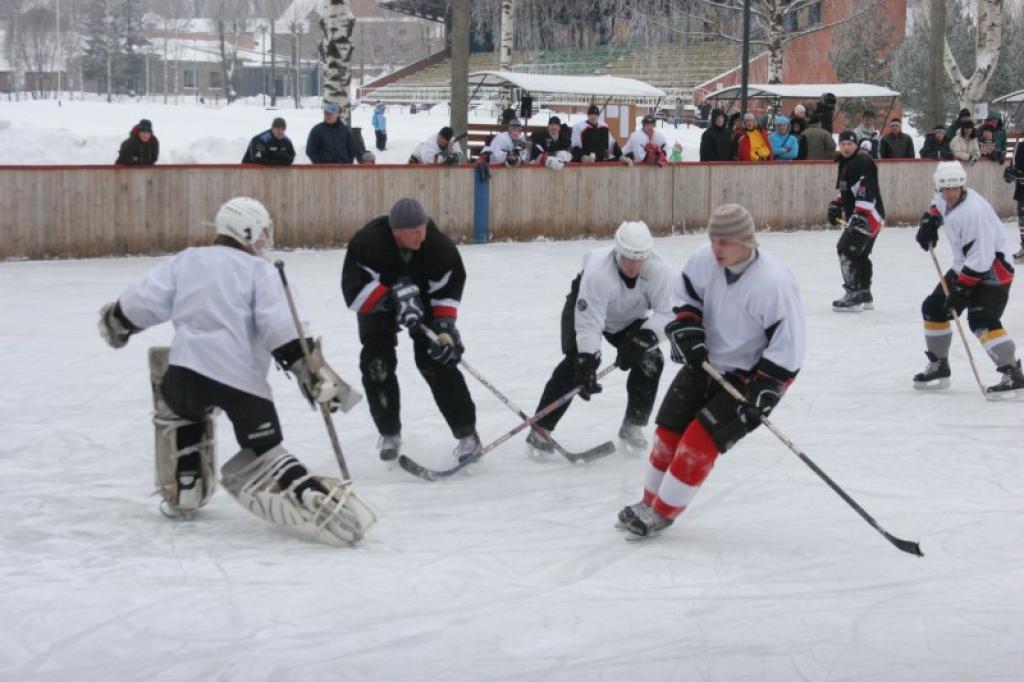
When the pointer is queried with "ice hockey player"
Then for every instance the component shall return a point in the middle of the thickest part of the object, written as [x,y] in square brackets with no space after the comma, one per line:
[1015,173]
[859,205]
[438,149]
[591,139]
[622,294]
[979,281]
[738,308]
[400,270]
[509,147]
[647,145]
[231,315]
[552,146]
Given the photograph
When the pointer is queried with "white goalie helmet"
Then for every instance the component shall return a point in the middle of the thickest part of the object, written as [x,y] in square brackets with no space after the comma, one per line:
[633,240]
[949,174]
[247,221]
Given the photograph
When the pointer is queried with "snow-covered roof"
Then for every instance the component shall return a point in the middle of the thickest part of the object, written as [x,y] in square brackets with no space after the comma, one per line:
[190,50]
[805,91]
[1015,97]
[607,86]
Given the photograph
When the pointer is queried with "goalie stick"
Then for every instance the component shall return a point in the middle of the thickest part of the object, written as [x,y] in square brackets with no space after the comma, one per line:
[429,474]
[601,450]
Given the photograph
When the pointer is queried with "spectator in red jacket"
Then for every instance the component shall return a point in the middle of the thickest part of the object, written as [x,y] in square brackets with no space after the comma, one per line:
[752,142]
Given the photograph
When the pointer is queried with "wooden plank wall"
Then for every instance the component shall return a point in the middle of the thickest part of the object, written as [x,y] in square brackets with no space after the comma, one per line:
[90,211]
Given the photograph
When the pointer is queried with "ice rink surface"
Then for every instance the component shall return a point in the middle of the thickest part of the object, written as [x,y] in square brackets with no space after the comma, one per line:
[513,570]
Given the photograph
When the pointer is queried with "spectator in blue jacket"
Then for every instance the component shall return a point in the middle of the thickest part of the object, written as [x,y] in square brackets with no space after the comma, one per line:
[271,147]
[785,145]
[332,141]
[380,125]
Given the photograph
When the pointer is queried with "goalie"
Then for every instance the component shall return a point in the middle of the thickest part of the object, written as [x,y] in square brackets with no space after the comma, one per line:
[231,316]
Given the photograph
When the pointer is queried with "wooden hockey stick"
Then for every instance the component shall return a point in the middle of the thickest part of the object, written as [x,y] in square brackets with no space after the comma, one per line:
[959,327]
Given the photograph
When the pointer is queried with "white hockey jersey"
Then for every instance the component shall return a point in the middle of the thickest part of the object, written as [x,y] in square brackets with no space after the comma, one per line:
[503,146]
[606,304]
[229,312]
[428,150]
[638,141]
[976,234]
[757,314]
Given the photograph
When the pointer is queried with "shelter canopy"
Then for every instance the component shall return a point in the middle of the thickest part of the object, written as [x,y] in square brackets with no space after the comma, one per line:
[599,86]
[804,91]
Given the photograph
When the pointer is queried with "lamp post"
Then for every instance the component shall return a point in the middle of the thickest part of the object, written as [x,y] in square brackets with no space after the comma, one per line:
[263,66]
[745,64]
[60,54]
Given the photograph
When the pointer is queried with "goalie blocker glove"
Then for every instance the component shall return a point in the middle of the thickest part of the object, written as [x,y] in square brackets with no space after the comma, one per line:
[317,380]
[114,327]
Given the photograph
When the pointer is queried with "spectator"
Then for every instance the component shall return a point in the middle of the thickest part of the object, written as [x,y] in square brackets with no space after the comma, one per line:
[550,141]
[677,153]
[797,126]
[866,131]
[646,145]
[936,145]
[987,146]
[995,122]
[825,110]
[954,127]
[716,142]
[785,147]
[438,149]
[380,126]
[965,144]
[820,144]
[752,143]
[271,147]
[141,148]
[896,144]
[591,139]
[799,111]
[331,141]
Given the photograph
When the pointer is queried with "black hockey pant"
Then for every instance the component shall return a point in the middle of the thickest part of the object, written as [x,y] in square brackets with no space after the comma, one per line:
[1020,221]
[854,250]
[693,394]
[192,395]
[985,309]
[377,362]
[641,385]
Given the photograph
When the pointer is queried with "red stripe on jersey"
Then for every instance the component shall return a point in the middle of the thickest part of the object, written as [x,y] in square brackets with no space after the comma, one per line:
[1004,275]
[445,311]
[967,280]
[371,301]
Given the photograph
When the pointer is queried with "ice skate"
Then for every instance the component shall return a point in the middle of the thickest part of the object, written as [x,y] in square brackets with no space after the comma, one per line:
[627,514]
[539,445]
[1019,256]
[850,303]
[935,375]
[646,523]
[389,447]
[469,448]
[867,300]
[632,435]
[1010,387]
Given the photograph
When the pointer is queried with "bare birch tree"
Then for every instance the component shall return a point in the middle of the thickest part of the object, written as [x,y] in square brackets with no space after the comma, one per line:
[336,53]
[970,91]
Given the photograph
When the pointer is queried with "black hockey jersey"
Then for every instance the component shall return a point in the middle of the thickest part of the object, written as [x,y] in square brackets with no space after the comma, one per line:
[857,182]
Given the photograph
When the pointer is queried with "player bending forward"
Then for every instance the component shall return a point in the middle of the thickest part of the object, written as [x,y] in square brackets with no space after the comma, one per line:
[978,282]
[231,315]
[738,308]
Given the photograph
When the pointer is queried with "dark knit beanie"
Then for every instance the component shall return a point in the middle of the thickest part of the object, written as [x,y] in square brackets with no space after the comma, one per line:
[407,213]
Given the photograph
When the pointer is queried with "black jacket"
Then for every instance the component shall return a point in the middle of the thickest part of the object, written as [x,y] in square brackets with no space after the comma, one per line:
[935,150]
[716,142]
[373,264]
[857,182]
[269,151]
[899,147]
[329,143]
[135,152]
[543,143]
[1018,163]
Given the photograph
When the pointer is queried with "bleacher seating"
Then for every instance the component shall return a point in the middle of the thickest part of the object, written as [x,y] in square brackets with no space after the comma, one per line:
[675,67]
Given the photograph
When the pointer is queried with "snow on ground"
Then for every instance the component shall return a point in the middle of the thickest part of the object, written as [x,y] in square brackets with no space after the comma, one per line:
[513,571]
[90,132]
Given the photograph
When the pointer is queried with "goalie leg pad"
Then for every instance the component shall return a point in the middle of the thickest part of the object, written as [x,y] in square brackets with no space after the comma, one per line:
[335,517]
[186,464]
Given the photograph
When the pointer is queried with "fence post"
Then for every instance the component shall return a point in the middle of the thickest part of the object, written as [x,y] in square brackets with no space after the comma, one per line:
[481,204]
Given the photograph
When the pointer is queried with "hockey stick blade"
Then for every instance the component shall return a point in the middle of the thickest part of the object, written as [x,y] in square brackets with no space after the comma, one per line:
[596,452]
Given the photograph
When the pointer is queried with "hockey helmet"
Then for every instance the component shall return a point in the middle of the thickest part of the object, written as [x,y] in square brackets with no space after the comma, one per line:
[633,240]
[649,118]
[247,222]
[949,174]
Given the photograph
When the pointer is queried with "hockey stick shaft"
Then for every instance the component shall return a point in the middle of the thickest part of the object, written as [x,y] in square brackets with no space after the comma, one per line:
[904,545]
[328,422]
[956,321]
[429,333]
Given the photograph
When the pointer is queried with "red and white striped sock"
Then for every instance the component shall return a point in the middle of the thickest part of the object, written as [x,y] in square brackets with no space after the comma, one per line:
[695,455]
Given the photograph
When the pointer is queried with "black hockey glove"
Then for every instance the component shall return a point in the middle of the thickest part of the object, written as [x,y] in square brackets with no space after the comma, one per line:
[512,160]
[928,229]
[763,394]
[689,347]
[408,304]
[452,159]
[835,212]
[1013,174]
[448,348]
[958,298]
[634,347]
[585,374]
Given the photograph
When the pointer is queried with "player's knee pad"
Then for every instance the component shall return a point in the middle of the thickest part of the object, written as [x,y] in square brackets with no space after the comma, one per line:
[853,243]
[651,364]
[720,418]
[933,309]
[186,465]
[378,366]
[336,517]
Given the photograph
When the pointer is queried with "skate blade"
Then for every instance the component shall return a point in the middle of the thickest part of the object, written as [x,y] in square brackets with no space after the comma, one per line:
[177,514]
[1004,396]
[848,309]
[933,385]
[867,306]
